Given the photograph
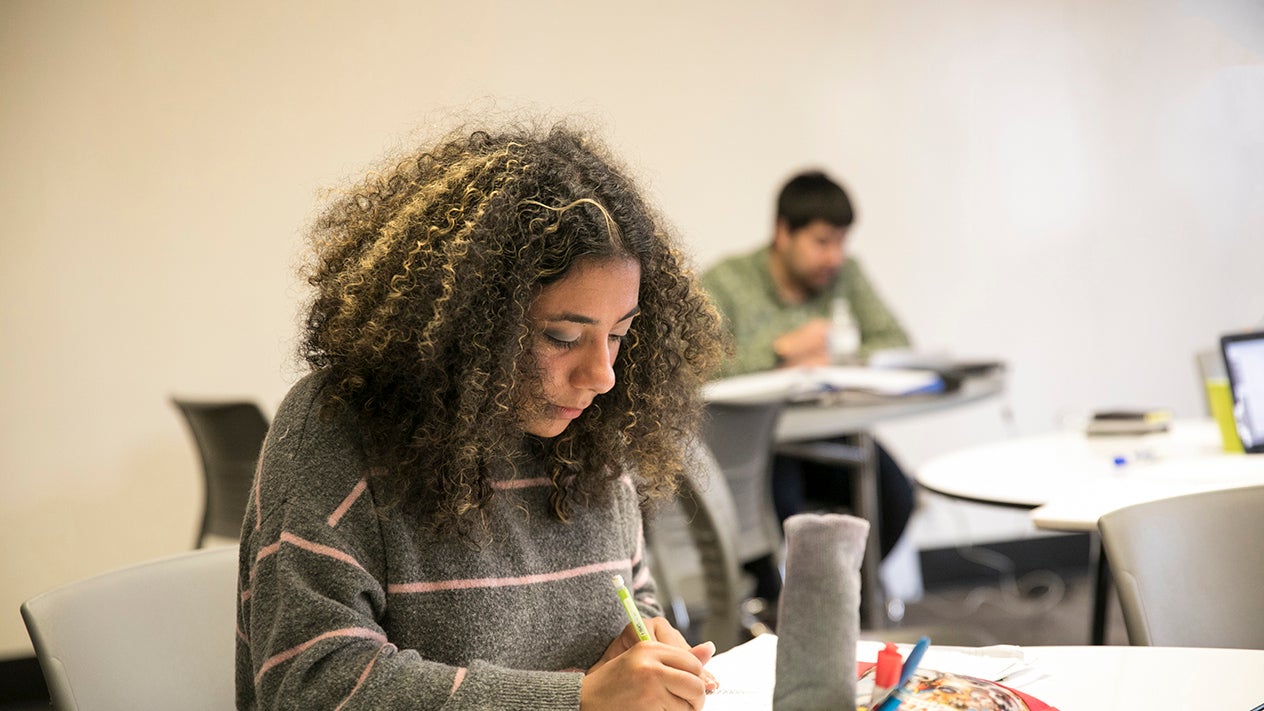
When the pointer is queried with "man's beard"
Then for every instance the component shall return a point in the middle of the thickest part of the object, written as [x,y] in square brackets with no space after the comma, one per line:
[816,282]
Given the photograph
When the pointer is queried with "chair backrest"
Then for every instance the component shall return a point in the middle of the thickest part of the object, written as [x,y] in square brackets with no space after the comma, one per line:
[694,540]
[1190,569]
[229,437]
[159,635]
[741,438]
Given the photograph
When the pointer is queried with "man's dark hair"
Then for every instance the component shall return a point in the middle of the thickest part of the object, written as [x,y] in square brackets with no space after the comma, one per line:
[812,196]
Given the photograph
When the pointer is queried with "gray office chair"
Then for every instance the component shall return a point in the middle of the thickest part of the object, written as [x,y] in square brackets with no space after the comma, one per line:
[158,635]
[1190,569]
[229,437]
[741,438]
[692,550]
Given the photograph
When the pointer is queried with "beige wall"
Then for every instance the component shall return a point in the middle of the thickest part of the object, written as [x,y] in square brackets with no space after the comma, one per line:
[1073,186]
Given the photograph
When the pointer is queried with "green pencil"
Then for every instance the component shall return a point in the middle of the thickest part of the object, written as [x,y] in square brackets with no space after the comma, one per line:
[629,607]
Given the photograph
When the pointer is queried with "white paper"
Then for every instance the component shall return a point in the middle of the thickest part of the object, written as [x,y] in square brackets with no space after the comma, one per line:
[799,383]
[748,672]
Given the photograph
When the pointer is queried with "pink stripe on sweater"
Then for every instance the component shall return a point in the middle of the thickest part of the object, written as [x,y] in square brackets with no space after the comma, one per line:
[264,552]
[258,477]
[319,549]
[338,513]
[360,632]
[522,483]
[365,674]
[404,588]
[456,682]
[290,538]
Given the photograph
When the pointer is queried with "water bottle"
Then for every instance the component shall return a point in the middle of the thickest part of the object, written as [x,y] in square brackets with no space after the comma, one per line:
[844,335]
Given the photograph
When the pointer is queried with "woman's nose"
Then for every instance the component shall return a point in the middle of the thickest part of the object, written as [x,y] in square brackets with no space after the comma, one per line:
[595,371]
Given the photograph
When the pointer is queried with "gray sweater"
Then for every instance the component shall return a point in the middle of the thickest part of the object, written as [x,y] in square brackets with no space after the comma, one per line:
[344,605]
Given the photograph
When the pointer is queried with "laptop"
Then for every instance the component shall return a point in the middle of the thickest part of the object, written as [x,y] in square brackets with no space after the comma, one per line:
[1244,364]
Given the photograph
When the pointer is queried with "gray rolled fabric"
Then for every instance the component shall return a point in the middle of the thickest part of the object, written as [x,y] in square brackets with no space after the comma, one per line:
[818,622]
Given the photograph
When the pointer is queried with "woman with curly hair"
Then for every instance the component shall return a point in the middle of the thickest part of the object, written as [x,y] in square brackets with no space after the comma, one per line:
[506,349]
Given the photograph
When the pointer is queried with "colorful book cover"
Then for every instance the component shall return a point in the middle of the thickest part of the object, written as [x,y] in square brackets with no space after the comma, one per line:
[931,690]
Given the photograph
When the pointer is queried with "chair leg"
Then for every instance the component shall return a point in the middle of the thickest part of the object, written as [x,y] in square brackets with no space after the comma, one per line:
[1101,593]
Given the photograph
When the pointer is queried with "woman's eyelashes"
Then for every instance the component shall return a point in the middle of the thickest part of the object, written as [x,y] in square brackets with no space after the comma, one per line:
[561,339]
[566,340]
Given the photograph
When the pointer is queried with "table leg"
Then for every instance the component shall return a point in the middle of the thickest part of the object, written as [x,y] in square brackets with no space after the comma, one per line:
[872,598]
[1101,592]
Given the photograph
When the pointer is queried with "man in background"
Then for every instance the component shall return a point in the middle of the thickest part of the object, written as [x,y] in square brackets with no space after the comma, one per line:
[776,303]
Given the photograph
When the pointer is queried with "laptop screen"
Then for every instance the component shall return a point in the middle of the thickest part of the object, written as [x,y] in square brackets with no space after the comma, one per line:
[1244,364]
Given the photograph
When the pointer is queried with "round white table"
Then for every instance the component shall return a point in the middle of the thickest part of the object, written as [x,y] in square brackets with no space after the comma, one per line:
[1070,480]
[1031,472]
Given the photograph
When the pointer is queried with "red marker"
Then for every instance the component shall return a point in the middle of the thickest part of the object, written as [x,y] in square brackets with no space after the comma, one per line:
[886,675]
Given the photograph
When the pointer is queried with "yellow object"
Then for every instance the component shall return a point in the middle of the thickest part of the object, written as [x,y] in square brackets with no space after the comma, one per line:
[1221,402]
[634,615]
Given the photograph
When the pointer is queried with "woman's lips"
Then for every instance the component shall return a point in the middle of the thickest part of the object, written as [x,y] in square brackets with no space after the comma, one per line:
[568,413]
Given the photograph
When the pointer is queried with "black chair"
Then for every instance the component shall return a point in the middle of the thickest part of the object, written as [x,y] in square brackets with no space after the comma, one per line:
[229,437]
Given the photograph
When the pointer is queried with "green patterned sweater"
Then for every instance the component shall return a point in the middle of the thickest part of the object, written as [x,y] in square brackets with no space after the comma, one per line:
[742,288]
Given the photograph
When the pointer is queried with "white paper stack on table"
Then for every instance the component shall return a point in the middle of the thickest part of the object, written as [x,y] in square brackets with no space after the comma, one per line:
[806,383]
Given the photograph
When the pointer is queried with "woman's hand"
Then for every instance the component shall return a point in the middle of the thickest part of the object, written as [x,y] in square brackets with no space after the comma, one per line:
[664,672]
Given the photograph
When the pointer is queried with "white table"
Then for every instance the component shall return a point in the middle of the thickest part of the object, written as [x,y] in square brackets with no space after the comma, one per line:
[1093,678]
[1188,461]
[834,416]
[1070,678]
[803,425]
[1030,472]
[1069,479]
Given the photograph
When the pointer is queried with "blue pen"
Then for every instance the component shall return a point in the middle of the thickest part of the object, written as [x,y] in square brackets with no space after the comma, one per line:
[906,672]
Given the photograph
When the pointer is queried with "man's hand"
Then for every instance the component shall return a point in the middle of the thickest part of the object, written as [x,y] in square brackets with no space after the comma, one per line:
[805,345]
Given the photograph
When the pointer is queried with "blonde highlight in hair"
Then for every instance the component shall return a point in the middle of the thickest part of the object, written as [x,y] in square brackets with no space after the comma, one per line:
[423,277]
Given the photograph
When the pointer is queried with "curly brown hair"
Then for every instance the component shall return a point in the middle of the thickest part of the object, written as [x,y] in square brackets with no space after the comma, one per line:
[424,274]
